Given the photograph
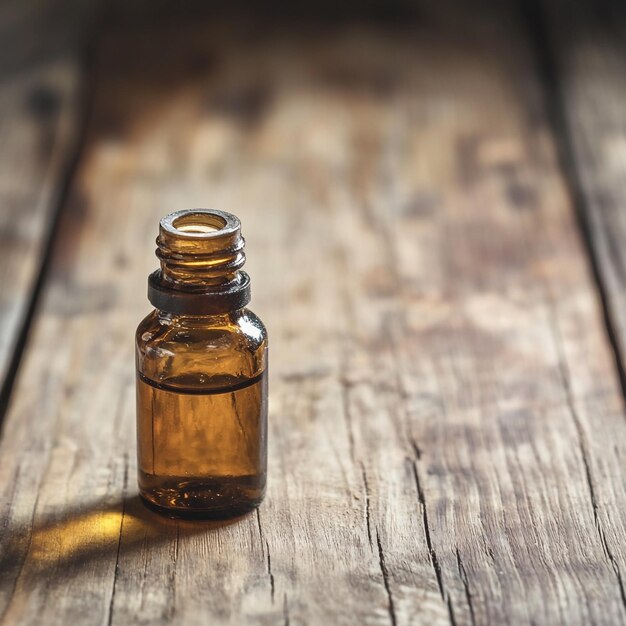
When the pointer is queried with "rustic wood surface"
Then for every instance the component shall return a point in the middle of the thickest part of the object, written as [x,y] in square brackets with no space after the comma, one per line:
[446,416]
[588,47]
[40,99]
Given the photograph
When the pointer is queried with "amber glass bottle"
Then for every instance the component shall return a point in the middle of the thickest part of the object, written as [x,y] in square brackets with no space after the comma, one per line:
[201,374]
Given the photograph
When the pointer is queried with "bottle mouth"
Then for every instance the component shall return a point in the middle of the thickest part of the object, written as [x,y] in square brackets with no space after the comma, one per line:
[200,224]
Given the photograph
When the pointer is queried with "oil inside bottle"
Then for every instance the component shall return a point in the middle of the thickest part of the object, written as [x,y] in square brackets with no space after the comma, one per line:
[202,450]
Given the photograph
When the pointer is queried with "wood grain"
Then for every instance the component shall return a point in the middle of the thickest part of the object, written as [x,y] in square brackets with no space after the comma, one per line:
[446,421]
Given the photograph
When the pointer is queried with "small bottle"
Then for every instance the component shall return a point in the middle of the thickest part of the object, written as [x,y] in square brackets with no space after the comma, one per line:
[201,374]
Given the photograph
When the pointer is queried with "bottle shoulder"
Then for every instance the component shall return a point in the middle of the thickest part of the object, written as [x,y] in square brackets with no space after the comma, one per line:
[233,344]
[240,327]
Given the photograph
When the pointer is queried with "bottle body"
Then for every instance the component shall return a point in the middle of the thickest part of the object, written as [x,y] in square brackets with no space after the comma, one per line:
[201,374]
[202,412]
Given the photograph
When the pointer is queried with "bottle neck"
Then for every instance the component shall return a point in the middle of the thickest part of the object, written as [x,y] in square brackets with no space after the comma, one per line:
[201,254]
[199,249]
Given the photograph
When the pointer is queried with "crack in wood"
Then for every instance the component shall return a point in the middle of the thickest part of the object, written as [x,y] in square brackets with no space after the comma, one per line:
[433,555]
[367,506]
[420,492]
[265,549]
[119,542]
[258,524]
[583,446]
[385,573]
[489,551]
[416,449]
[451,612]
[285,610]
[145,552]
[582,443]
[269,571]
[465,581]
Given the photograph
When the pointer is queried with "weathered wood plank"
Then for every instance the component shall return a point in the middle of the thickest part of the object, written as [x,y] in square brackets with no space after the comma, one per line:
[587,54]
[446,423]
[38,123]
[41,78]
[587,49]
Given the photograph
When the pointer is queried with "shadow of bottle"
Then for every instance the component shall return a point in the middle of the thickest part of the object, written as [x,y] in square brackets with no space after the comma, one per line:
[65,543]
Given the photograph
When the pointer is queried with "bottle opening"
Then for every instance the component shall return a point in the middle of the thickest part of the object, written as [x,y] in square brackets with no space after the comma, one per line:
[199,223]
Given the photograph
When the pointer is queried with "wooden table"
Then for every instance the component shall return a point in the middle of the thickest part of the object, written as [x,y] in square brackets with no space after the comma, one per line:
[434,205]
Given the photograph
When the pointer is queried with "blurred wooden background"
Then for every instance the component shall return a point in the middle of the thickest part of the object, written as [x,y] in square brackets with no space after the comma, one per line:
[433,197]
